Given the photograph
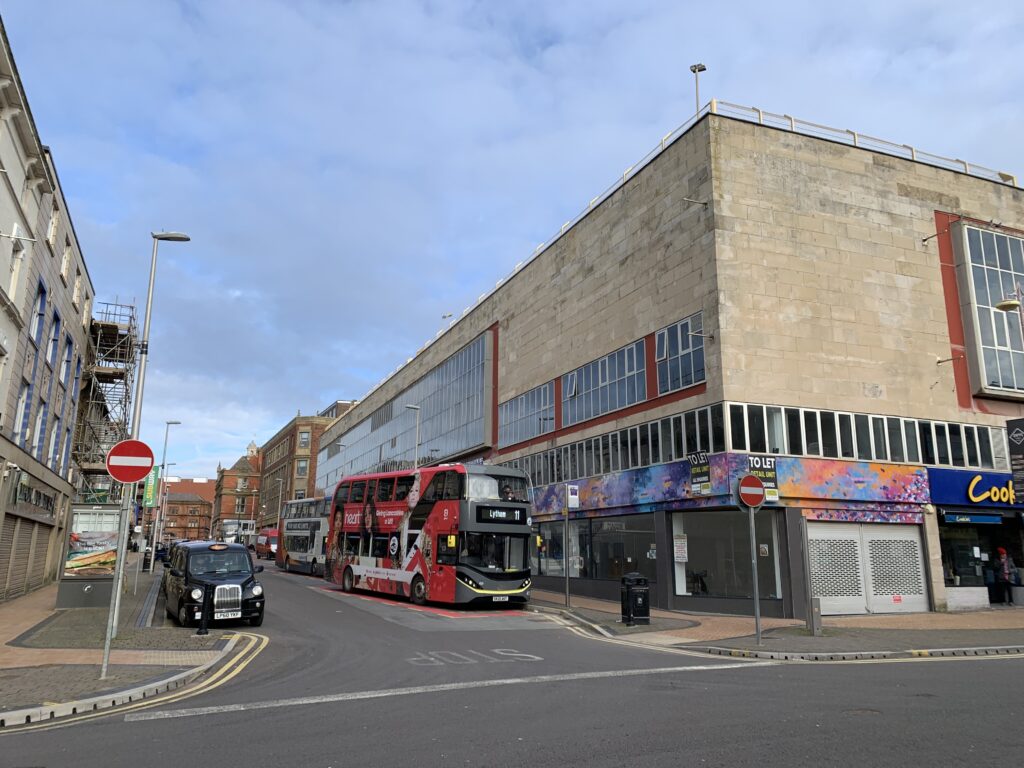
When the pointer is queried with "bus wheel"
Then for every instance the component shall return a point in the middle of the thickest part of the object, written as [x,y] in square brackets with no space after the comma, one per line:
[418,594]
[346,580]
[313,569]
[287,564]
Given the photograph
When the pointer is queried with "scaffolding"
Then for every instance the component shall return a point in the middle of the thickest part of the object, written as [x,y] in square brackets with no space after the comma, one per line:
[104,413]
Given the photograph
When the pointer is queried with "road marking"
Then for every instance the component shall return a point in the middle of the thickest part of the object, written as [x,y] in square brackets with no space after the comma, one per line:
[231,668]
[444,687]
[438,658]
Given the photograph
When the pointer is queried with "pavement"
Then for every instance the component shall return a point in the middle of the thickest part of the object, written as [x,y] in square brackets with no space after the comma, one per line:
[50,659]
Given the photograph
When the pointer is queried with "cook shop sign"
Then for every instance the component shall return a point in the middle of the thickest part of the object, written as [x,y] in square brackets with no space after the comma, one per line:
[972,489]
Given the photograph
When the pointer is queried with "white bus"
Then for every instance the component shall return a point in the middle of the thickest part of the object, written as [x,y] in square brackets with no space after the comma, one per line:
[302,535]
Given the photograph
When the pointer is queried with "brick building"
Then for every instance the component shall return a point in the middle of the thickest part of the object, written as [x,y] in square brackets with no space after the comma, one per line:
[289,461]
[236,497]
[188,509]
[758,294]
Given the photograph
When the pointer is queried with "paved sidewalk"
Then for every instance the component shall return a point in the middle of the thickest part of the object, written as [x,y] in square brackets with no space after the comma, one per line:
[997,630]
[49,656]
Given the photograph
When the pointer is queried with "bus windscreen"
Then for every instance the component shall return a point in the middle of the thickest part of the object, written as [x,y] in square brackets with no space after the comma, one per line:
[497,488]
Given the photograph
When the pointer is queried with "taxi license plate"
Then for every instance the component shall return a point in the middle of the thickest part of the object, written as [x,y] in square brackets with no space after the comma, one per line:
[500,598]
[227,615]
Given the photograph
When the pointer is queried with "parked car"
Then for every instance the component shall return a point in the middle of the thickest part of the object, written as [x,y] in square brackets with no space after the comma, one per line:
[227,569]
[266,544]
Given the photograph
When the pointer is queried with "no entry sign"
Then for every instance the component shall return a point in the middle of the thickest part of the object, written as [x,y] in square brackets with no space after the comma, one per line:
[751,491]
[129,461]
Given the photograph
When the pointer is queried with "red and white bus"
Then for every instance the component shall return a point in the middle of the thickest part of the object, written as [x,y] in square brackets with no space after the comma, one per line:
[453,533]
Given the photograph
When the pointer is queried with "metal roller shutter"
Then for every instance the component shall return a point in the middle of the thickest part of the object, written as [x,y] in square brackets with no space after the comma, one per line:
[19,558]
[37,568]
[6,547]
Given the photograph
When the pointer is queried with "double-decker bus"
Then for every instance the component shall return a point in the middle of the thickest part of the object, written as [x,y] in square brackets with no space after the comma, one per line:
[453,533]
[302,535]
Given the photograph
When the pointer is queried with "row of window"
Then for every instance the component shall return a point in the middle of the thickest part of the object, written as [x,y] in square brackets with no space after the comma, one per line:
[832,434]
[614,381]
[526,416]
[679,352]
[771,429]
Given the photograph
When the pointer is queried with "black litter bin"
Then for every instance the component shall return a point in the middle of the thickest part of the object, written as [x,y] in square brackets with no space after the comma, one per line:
[636,599]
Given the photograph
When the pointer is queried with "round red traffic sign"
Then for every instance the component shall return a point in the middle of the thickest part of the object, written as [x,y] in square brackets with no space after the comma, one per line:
[751,491]
[129,461]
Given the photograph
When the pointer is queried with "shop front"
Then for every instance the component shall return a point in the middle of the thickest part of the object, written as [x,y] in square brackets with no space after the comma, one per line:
[978,512]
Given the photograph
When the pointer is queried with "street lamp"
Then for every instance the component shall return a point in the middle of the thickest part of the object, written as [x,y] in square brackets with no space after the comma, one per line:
[697,69]
[122,541]
[1014,303]
[158,518]
[416,452]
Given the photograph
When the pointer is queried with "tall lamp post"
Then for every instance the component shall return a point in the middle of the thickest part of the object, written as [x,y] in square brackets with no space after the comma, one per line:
[128,503]
[416,452]
[163,488]
[697,69]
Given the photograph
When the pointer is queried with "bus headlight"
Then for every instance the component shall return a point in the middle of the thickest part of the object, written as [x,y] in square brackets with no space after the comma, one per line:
[196,594]
[257,590]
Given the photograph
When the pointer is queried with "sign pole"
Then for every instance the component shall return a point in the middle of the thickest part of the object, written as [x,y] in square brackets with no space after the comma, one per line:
[751,493]
[565,545]
[753,572]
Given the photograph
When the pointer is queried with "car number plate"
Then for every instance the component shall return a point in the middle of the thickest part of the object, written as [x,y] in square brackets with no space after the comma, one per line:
[227,615]
[500,598]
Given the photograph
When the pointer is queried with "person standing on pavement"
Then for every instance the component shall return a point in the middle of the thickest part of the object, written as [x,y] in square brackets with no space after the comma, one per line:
[1005,572]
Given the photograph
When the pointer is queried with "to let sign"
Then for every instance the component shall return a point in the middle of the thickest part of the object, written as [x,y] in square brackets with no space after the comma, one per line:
[129,461]
[750,491]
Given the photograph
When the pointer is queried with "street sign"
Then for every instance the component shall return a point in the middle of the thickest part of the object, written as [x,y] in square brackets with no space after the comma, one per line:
[1015,438]
[149,494]
[751,491]
[129,461]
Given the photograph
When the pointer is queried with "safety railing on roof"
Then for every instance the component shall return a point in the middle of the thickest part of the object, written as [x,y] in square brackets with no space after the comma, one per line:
[750,115]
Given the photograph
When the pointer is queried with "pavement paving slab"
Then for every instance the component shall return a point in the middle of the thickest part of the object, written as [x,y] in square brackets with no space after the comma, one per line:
[25,687]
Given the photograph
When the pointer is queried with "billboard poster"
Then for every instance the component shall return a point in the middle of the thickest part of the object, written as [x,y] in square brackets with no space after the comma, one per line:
[700,473]
[763,468]
[680,548]
[91,554]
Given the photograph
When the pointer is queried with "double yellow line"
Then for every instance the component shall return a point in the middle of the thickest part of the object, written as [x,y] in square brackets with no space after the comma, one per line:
[254,645]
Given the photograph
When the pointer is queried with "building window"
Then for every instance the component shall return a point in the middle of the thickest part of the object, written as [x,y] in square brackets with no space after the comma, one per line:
[38,433]
[528,415]
[65,261]
[18,427]
[301,467]
[300,494]
[76,295]
[65,365]
[303,439]
[53,451]
[615,381]
[996,266]
[51,230]
[78,378]
[679,351]
[86,317]
[39,317]
[240,505]
[51,352]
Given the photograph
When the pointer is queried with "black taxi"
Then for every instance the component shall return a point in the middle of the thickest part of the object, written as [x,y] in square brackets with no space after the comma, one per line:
[225,569]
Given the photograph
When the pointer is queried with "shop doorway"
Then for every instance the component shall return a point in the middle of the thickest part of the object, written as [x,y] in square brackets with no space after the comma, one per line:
[867,568]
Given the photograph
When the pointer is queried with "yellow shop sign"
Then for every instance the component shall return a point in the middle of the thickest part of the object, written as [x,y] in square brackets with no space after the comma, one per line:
[1002,494]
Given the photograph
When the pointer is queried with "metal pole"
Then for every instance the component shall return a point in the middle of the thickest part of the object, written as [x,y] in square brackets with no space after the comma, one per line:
[128,504]
[565,546]
[753,572]
[696,85]
[163,491]
[416,453]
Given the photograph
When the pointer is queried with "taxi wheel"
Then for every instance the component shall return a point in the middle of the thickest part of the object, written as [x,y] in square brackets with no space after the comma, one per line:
[256,621]
[183,616]
[347,580]
[418,594]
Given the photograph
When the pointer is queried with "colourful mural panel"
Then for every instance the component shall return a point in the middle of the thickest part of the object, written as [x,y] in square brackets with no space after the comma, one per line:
[852,481]
[864,516]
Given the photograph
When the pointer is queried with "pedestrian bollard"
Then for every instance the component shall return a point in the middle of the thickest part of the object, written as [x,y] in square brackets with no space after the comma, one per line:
[204,619]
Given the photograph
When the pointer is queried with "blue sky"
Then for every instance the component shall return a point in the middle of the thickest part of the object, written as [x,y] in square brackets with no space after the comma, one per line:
[351,171]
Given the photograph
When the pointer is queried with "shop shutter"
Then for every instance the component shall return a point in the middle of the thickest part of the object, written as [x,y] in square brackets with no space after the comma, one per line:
[6,548]
[834,554]
[37,568]
[896,569]
[19,558]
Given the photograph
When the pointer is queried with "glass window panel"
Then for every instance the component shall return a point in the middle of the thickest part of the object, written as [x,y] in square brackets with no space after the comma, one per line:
[999,324]
[692,443]
[971,446]
[924,430]
[991,367]
[980,286]
[956,445]
[655,429]
[793,432]
[755,428]
[634,448]
[1016,257]
[829,441]
[737,429]
[988,339]
[698,365]
[1013,326]
[1009,289]
[1003,252]
[845,436]
[988,247]
[974,245]
[614,455]
[811,441]
[1018,369]
[895,439]
[666,441]
[776,430]
[674,376]
[985,447]
[995,286]
[678,445]
[941,444]
[863,436]
[624,447]
[663,383]
[606,462]
[1005,368]
[878,429]
[703,429]
[645,445]
[910,433]
[717,428]
[673,341]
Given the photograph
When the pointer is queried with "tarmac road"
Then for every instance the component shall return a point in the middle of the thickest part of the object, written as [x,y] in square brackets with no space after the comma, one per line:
[355,680]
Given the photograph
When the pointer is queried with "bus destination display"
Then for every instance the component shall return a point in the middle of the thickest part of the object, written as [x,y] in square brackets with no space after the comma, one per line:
[498,515]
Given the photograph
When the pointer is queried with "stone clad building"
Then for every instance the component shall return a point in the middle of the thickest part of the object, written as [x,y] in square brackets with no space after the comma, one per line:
[758,295]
